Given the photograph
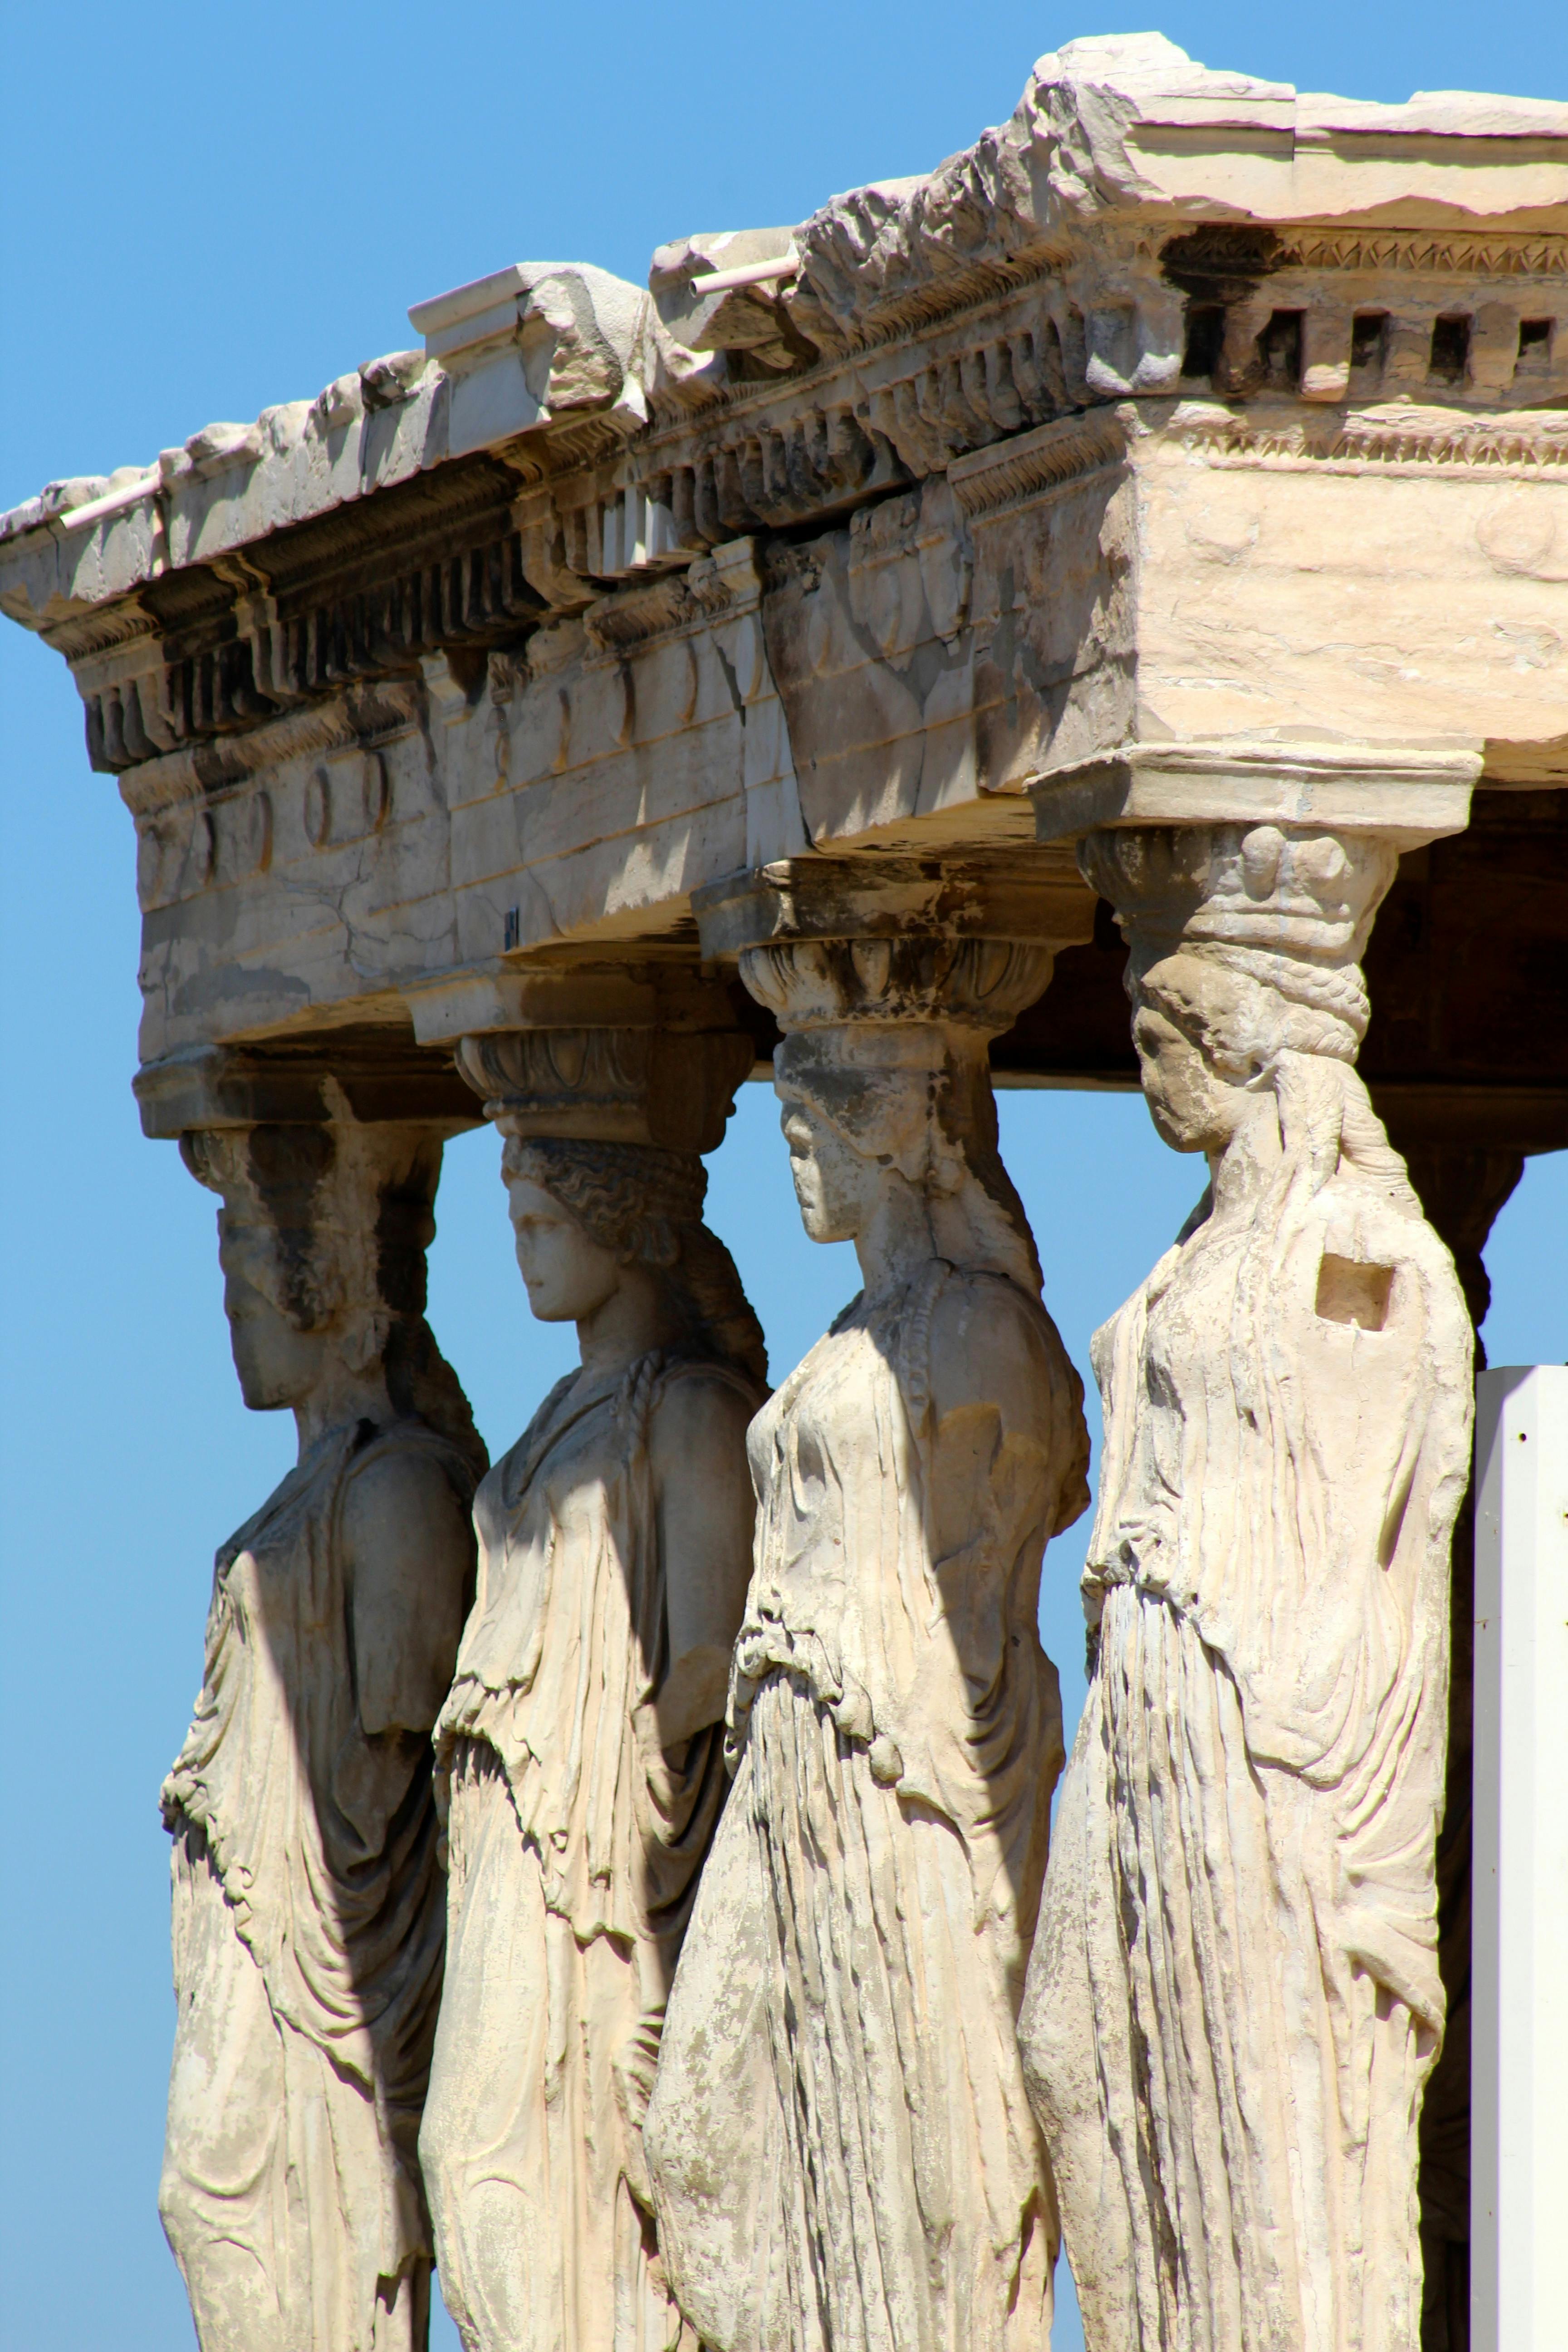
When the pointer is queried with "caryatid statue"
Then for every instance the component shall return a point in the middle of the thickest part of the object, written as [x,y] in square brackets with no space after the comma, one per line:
[1233,1999]
[581,1752]
[308,1906]
[843,2154]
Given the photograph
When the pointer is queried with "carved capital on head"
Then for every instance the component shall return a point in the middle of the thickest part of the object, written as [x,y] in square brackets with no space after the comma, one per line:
[977,984]
[1287,907]
[889,976]
[645,1054]
[329,1219]
[326,1159]
[367,1076]
[892,941]
[1407,796]
[669,1089]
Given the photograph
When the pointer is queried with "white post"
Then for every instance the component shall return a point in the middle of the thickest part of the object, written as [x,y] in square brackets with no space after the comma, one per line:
[1519,2183]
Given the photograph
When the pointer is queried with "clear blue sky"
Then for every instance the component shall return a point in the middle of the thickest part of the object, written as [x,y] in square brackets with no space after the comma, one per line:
[207,210]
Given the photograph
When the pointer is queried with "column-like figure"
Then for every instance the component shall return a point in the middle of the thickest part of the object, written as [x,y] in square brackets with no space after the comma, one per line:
[1233,2000]
[581,1752]
[843,2153]
[308,1901]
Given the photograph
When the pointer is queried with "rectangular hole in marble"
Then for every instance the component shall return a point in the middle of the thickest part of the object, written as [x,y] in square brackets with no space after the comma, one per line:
[1351,1291]
[1205,338]
[1279,351]
[1535,344]
[1450,348]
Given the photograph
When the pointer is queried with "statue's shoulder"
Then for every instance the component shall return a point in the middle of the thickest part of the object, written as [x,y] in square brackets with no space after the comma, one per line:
[697,1376]
[699,1404]
[978,1309]
[407,1453]
[987,1340]
[1369,1236]
[405,1477]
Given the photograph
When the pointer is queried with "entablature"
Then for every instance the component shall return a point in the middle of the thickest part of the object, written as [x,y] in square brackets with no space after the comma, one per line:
[1186,427]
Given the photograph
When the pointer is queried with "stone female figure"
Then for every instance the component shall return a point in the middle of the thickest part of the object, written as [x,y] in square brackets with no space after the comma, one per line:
[582,1750]
[308,1901]
[843,2154]
[1233,1999]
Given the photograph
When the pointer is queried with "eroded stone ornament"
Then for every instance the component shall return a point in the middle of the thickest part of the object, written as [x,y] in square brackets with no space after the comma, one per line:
[581,1752]
[842,2150]
[1233,1999]
[309,1910]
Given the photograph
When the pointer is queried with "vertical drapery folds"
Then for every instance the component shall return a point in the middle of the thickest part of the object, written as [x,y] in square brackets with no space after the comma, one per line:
[580,1753]
[308,1902]
[842,2154]
[1233,2000]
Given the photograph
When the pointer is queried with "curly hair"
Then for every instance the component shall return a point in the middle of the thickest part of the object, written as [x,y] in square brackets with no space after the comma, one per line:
[644,1206]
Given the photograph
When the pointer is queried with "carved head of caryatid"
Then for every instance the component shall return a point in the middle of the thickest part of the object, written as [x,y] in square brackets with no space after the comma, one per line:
[885,1079]
[889,986]
[1245,943]
[604,1128]
[322,1237]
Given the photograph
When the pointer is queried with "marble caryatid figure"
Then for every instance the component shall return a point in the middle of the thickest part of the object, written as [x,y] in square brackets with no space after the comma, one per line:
[1233,1999]
[309,1910]
[843,2154]
[581,1752]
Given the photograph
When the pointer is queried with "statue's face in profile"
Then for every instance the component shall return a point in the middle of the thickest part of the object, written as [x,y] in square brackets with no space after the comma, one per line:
[832,1181]
[1178,1084]
[567,1273]
[1196,1029]
[277,1363]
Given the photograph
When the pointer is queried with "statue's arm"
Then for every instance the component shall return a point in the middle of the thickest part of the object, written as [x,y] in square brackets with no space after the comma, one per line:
[410,1547]
[1008,1439]
[705,1505]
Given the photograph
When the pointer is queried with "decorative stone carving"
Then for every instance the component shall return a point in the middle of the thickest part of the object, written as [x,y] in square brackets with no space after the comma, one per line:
[308,1902]
[1127,469]
[580,1754]
[841,2149]
[1233,1999]
[1093,448]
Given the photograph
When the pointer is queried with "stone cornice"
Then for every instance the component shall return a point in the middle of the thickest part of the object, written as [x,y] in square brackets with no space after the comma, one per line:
[206,770]
[1031,274]
[1010,472]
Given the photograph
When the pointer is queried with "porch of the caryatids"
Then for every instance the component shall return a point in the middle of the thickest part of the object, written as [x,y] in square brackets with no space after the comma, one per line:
[580,1754]
[1233,2002]
[308,1909]
[842,2152]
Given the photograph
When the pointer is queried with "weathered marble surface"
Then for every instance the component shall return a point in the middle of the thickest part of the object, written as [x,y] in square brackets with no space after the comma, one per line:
[308,1902]
[1183,409]
[1188,453]
[580,1753]
[841,2150]
[1233,1999]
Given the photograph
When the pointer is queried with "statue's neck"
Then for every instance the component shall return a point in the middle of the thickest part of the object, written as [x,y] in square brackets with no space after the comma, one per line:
[634,1319]
[341,1397]
[1241,1170]
[897,1239]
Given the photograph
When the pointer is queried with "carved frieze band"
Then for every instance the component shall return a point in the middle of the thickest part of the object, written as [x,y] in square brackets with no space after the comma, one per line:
[1409,439]
[1425,253]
